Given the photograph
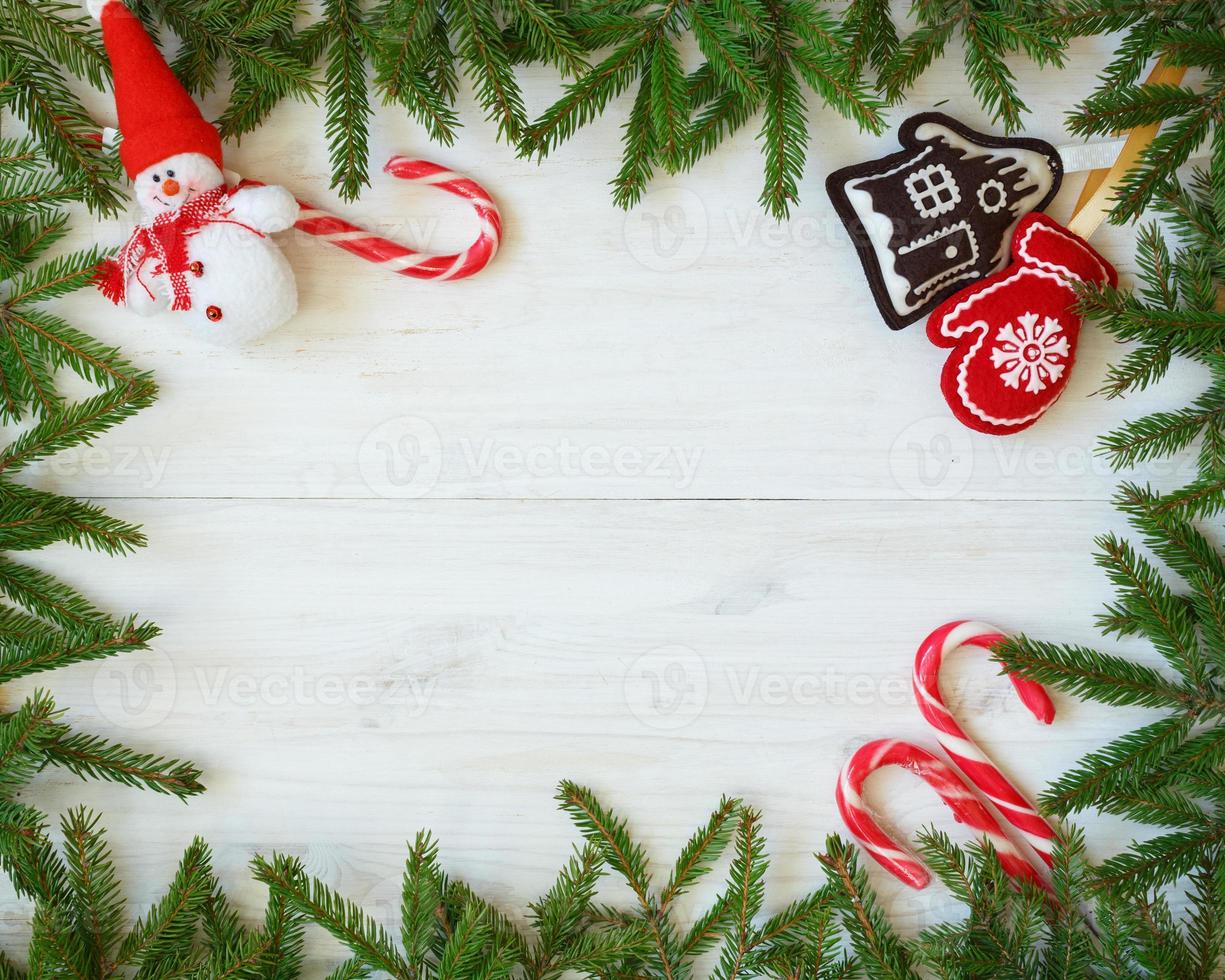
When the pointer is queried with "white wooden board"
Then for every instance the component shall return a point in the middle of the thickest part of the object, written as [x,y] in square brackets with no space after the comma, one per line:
[432,548]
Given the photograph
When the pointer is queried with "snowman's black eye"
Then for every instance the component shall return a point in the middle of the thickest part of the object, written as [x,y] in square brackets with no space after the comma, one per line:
[156,179]
[169,173]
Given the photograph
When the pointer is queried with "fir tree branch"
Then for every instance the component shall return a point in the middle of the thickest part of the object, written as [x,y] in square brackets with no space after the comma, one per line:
[89,756]
[348,102]
[1097,676]
[167,929]
[256,41]
[52,600]
[1159,861]
[78,424]
[27,857]
[745,894]
[1197,500]
[480,49]
[1118,767]
[609,833]
[32,519]
[700,852]
[883,953]
[24,737]
[33,88]
[97,905]
[22,655]
[1152,609]
[350,926]
[406,44]
[421,901]
[67,39]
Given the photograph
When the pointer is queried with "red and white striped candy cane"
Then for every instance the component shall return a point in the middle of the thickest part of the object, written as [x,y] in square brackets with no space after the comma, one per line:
[896,858]
[392,255]
[399,259]
[968,757]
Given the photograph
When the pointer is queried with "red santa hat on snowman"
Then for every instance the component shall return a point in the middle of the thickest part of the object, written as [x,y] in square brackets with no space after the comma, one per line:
[234,285]
[156,115]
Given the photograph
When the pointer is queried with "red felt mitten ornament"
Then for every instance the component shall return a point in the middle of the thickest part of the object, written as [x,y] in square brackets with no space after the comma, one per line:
[1013,335]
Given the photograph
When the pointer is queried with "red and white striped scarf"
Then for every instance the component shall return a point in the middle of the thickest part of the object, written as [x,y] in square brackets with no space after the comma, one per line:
[165,240]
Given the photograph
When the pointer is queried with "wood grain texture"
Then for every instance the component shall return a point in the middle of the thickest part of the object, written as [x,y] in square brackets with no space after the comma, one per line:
[656,504]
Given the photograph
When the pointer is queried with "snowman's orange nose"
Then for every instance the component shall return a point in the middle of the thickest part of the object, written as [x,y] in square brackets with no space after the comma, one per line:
[172,186]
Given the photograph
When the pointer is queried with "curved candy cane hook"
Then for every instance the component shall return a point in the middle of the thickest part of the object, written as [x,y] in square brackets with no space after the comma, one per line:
[397,258]
[896,858]
[968,757]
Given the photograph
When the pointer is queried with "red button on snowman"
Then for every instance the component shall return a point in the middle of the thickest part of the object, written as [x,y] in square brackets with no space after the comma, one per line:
[203,248]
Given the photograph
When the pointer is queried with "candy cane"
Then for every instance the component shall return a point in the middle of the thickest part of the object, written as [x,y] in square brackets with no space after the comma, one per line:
[398,258]
[383,251]
[896,858]
[968,757]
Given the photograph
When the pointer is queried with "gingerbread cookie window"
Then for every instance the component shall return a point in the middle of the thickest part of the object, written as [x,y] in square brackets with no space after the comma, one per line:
[933,190]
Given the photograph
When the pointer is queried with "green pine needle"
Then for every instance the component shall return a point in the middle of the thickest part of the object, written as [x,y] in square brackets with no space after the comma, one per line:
[347,98]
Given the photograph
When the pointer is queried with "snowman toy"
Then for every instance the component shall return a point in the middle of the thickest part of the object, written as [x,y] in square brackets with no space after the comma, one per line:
[203,248]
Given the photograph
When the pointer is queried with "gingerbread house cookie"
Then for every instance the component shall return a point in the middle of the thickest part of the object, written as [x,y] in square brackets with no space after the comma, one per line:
[940,213]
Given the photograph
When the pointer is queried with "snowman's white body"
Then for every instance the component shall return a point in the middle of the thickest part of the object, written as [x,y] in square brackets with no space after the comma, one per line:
[247,278]
[241,286]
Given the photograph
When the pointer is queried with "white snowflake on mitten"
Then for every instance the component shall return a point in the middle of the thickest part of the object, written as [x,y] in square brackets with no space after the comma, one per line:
[1031,353]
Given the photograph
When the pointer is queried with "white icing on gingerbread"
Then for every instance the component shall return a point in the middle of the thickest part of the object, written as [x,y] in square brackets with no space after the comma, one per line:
[1032,170]
[1024,180]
